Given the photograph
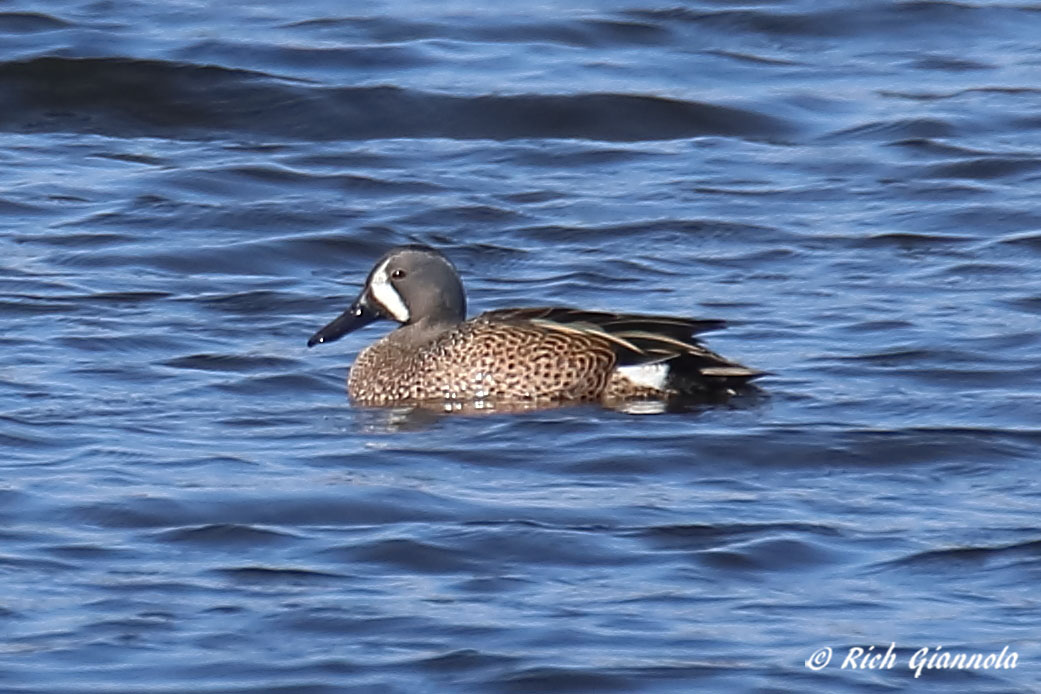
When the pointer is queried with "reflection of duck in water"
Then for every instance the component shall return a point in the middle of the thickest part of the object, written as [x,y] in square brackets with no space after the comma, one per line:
[521,355]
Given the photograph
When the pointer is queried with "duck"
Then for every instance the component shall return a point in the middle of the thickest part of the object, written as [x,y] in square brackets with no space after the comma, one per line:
[538,355]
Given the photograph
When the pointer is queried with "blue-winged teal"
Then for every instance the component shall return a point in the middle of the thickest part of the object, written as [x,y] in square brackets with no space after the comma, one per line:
[521,354]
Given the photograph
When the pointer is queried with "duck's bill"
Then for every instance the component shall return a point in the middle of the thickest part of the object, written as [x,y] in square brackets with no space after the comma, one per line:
[357,316]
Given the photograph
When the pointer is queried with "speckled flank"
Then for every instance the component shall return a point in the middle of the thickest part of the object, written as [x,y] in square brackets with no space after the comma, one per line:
[481,359]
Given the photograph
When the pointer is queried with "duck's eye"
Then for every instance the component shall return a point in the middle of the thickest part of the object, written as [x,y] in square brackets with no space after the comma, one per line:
[398,274]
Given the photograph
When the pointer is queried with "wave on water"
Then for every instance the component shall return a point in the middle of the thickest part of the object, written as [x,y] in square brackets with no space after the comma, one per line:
[149,98]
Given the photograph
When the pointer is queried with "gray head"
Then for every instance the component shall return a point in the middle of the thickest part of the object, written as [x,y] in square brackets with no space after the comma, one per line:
[410,285]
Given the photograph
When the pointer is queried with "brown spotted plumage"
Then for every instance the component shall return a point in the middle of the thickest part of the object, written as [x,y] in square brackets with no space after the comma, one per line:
[516,355]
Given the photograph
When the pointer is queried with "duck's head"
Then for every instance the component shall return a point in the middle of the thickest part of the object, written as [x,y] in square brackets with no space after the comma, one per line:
[409,284]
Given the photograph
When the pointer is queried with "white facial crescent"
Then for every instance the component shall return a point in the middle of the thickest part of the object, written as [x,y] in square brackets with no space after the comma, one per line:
[386,295]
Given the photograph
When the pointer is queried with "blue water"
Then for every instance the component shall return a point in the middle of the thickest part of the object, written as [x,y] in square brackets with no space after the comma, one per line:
[189,503]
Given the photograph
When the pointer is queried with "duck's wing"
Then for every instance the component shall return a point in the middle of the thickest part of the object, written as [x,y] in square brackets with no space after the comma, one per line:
[678,328]
[640,339]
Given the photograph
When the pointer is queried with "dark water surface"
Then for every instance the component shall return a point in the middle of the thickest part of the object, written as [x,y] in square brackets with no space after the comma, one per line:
[188,190]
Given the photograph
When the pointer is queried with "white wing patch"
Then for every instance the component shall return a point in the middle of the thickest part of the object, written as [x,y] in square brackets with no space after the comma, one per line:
[387,296]
[647,375]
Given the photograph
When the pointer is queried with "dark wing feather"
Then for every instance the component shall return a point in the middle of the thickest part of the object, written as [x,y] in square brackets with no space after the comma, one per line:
[680,328]
[640,339]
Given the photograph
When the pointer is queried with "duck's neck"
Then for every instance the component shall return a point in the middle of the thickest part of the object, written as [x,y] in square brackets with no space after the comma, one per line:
[421,332]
